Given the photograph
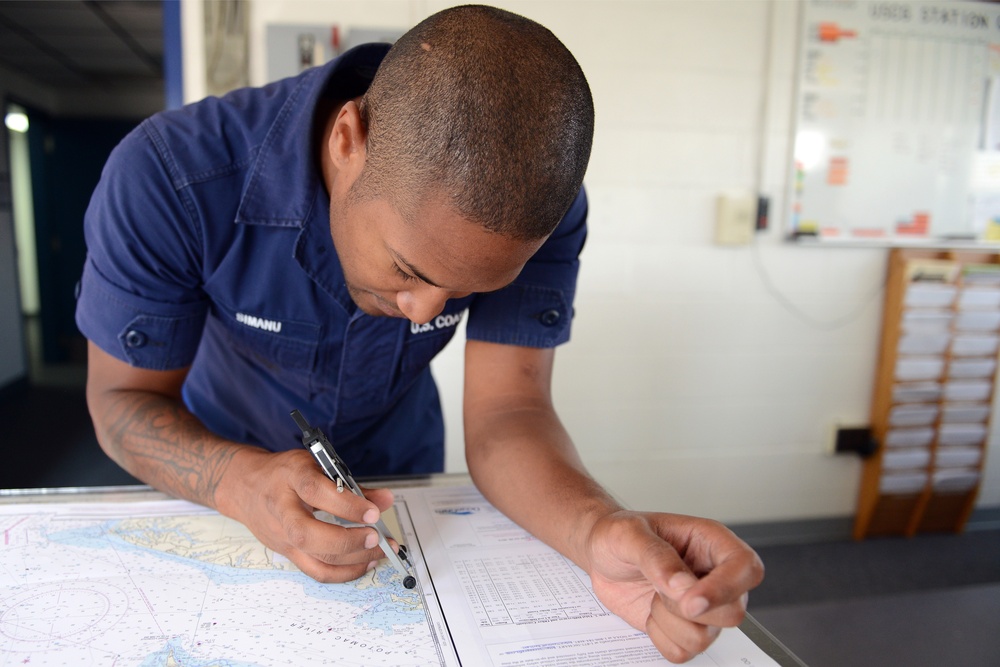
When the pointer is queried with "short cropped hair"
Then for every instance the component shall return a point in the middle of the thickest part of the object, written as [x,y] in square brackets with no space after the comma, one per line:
[487,107]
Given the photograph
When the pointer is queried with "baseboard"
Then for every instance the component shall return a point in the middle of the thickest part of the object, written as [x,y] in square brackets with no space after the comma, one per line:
[14,388]
[984,518]
[832,529]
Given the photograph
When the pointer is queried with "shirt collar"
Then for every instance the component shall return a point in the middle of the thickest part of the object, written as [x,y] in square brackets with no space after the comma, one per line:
[285,188]
[281,190]
[315,253]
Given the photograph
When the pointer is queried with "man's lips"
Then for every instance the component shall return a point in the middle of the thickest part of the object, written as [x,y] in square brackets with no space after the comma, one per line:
[386,306]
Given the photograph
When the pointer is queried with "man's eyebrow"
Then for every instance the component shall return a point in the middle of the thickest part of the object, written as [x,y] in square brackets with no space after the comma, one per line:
[414,270]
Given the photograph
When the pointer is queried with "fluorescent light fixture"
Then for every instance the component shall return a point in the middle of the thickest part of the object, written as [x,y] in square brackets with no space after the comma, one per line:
[16,121]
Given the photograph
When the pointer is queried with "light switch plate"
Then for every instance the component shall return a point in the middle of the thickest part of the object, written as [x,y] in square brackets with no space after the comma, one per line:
[735,218]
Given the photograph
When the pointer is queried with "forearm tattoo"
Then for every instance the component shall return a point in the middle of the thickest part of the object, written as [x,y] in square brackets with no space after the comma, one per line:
[156,439]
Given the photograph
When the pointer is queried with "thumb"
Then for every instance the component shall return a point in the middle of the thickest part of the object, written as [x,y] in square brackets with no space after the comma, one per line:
[664,568]
[690,603]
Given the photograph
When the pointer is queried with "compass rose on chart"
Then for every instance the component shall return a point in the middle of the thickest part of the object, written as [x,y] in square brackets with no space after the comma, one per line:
[40,617]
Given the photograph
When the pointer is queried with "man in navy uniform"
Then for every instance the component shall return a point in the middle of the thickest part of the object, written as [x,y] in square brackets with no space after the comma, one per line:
[313,244]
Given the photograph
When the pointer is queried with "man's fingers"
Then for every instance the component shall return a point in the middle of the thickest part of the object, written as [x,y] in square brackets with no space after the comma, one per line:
[676,638]
[728,568]
[699,610]
[722,593]
[280,513]
[635,545]
[317,490]
[680,578]
[352,551]
[325,572]
[383,498]
[665,644]
[329,542]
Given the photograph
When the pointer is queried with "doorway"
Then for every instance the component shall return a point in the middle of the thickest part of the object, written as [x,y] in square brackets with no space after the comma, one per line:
[55,166]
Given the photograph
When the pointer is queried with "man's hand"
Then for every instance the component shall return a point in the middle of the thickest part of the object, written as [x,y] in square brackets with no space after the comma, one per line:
[142,424]
[274,495]
[678,578]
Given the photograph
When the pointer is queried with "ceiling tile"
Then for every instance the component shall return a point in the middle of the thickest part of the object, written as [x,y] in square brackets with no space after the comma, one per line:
[73,43]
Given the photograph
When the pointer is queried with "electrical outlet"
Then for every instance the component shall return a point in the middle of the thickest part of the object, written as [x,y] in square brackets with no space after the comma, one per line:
[854,440]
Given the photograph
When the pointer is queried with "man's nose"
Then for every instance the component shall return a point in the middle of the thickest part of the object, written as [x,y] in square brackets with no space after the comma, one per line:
[422,304]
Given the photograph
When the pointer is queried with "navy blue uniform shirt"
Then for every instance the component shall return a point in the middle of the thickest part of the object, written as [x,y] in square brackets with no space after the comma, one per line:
[209,245]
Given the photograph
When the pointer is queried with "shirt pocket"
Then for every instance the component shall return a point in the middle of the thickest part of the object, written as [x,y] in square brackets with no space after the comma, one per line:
[271,342]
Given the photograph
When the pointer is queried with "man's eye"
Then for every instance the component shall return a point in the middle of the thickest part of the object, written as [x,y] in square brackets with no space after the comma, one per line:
[402,274]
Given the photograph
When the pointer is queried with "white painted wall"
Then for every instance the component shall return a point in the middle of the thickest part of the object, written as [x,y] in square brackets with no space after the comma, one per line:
[689,386]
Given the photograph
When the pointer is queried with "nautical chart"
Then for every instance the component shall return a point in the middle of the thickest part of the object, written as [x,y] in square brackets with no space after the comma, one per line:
[169,584]
[175,585]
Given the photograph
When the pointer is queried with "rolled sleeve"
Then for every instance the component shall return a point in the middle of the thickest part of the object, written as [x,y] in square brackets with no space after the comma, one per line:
[140,297]
[536,310]
[141,332]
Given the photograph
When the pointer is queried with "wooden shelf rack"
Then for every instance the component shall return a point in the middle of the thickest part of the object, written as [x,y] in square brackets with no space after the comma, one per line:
[933,394]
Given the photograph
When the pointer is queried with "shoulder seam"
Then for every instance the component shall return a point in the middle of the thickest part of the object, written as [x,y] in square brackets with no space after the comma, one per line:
[179,188]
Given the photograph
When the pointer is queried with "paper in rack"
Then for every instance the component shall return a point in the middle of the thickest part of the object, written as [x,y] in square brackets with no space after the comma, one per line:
[965,413]
[962,434]
[957,457]
[929,295]
[927,320]
[981,274]
[900,459]
[917,392]
[972,368]
[902,482]
[955,480]
[919,368]
[967,390]
[913,415]
[979,297]
[975,346]
[909,437]
[978,320]
[924,343]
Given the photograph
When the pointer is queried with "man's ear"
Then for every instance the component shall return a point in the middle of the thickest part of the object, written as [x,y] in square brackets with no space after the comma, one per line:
[346,144]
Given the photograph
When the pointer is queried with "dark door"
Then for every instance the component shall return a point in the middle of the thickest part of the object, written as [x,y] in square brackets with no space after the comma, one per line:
[67,155]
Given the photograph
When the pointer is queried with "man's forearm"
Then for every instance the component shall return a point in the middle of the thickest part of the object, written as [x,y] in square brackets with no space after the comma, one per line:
[156,439]
[525,463]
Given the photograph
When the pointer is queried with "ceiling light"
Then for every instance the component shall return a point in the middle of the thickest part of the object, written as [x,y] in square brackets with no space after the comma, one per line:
[16,121]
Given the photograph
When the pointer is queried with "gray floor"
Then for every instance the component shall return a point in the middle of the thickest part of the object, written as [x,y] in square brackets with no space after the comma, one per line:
[926,601]
[944,628]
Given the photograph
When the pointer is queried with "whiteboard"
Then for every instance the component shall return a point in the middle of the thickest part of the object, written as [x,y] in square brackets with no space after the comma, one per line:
[897,132]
